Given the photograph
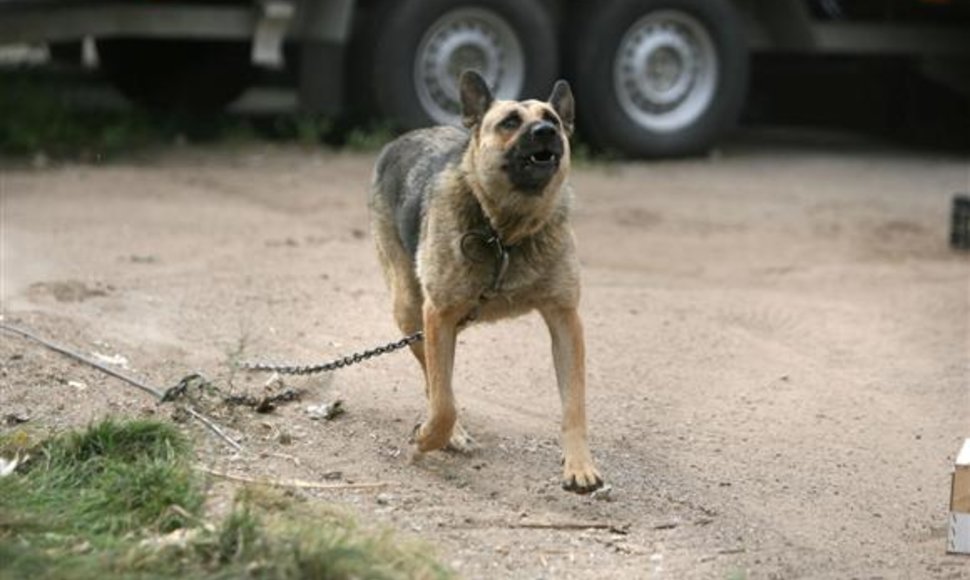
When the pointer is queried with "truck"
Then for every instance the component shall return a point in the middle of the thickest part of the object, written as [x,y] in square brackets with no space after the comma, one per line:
[651,77]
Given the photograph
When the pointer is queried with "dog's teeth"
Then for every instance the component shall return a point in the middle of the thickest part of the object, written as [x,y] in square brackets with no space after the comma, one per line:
[534,158]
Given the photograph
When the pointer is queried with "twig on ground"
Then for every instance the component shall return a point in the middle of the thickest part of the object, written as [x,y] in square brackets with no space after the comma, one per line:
[616,528]
[295,482]
[569,525]
[213,427]
[161,396]
[296,460]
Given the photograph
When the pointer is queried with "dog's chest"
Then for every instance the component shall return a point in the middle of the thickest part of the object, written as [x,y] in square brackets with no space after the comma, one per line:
[461,260]
[481,275]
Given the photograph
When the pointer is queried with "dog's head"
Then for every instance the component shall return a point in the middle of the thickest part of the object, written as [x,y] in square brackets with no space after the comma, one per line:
[524,144]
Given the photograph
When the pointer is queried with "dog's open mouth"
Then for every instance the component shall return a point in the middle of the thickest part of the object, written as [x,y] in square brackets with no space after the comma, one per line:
[544,158]
[532,165]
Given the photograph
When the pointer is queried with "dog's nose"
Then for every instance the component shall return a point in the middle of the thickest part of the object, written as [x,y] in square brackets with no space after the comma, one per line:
[543,131]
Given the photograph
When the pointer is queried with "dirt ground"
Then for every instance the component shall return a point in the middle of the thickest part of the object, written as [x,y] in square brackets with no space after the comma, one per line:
[777,341]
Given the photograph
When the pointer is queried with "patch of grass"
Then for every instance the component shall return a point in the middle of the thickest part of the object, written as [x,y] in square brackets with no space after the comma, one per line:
[307,129]
[111,479]
[120,500]
[40,118]
[369,138]
[285,538]
[585,155]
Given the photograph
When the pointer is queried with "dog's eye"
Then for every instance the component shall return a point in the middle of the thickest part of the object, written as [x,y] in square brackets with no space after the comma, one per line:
[548,116]
[511,123]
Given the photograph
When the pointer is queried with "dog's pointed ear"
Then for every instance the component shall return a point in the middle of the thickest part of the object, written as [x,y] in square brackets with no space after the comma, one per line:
[562,102]
[476,98]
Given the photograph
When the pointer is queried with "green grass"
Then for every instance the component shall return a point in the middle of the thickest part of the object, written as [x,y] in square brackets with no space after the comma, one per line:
[369,138]
[39,119]
[121,500]
[110,480]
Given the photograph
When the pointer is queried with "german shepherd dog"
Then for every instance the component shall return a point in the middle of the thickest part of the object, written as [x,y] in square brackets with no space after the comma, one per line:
[473,225]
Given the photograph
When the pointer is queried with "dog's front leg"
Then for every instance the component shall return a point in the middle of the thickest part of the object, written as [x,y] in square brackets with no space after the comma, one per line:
[440,329]
[569,358]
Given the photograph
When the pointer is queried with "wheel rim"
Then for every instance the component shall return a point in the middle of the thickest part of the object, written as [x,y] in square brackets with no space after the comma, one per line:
[665,71]
[466,38]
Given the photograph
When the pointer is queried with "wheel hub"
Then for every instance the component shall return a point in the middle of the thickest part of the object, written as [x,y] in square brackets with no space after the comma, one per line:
[665,70]
[463,39]
[452,52]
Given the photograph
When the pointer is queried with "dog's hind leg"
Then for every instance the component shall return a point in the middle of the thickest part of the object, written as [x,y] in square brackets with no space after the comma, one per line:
[407,310]
[568,354]
[399,274]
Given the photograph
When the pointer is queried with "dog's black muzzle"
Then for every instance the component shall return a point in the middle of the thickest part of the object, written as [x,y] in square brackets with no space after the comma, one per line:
[535,157]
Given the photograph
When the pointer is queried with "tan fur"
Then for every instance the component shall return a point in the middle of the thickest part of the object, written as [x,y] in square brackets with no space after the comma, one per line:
[513,217]
[442,287]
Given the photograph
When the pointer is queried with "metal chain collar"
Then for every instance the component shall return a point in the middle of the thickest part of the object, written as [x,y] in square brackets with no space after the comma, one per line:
[490,238]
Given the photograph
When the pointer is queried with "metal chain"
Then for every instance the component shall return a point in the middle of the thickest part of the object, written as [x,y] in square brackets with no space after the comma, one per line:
[335,364]
[488,237]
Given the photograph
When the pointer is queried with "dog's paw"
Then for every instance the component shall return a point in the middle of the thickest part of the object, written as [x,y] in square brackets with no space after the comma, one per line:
[581,477]
[430,437]
[461,441]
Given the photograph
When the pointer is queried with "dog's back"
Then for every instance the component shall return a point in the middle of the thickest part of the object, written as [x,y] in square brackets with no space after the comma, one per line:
[405,176]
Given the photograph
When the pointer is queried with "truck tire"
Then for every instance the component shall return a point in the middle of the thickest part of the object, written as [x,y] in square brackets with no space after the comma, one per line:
[660,77]
[424,45]
[192,76]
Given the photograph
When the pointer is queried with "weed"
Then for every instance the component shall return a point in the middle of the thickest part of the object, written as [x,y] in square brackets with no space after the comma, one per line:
[38,119]
[369,139]
[113,478]
[582,154]
[120,500]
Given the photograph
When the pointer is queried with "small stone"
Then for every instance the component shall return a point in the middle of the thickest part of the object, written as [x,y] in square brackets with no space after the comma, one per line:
[604,493]
[327,412]
[11,419]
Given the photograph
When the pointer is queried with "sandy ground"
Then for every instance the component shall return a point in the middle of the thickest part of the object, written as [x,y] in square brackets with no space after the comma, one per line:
[777,340]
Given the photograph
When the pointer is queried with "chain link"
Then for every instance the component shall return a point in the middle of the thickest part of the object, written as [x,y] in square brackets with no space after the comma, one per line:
[335,364]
